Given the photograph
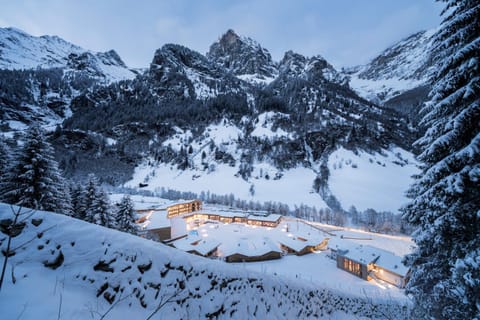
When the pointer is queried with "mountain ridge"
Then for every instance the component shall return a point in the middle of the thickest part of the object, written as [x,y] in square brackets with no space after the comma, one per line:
[19,50]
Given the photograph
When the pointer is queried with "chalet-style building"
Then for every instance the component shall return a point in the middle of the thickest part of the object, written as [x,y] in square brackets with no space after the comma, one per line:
[153,223]
[370,263]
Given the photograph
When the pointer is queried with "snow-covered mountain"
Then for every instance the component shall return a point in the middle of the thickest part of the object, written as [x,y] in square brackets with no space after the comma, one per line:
[65,268]
[199,125]
[40,76]
[20,51]
[232,121]
[399,76]
[177,71]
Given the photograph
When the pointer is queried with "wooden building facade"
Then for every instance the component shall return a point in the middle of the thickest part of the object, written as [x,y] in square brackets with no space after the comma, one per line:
[180,208]
[356,268]
[237,257]
[271,221]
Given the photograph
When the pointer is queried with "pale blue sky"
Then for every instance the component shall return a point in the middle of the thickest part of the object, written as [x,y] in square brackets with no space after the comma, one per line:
[345,32]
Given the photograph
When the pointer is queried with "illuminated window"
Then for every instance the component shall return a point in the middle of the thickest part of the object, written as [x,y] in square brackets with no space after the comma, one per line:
[352,267]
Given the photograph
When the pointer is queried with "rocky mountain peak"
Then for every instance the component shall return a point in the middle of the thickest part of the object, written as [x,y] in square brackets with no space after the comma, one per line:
[292,62]
[111,57]
[242,56]
[315,69]
[229,38]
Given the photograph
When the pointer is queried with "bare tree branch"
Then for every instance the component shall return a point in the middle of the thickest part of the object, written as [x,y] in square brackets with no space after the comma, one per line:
[120,299]
[164,302]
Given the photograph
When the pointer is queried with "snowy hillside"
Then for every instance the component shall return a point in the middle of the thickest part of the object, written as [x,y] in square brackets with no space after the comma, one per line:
[64,268]
[377,181]
[224,180]
[400,68]
[355,178]
[20,50]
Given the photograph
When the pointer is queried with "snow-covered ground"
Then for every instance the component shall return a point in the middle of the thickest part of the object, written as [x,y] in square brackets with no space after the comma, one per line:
[363,180]
[263,128]
[65,268]
[317,268]
[294,188]
[372,181]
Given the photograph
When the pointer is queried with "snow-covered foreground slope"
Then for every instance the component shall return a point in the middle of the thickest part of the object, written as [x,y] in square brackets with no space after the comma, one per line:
[377,181]
[64,268]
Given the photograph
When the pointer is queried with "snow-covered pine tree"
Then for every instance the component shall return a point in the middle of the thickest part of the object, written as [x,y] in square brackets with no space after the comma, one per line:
[77,193]
[5,161]
[445,206]
[86,206]
[102,211]
[34,180]
[125,216]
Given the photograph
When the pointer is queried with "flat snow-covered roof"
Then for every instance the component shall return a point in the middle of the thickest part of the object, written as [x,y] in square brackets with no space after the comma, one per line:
[249,247]
[181,202]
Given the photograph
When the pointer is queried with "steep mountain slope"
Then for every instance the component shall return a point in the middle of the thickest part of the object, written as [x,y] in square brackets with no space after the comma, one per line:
[177,70]
[66,268]
[398,78]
